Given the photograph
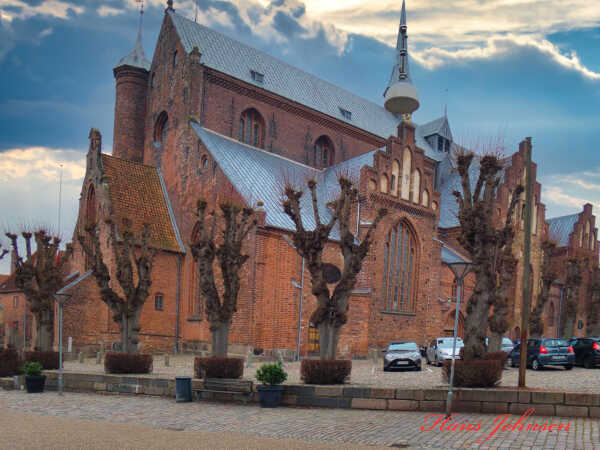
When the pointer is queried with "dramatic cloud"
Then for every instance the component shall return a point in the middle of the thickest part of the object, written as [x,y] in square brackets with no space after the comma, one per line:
[17,9]
[566,194]
[29,186]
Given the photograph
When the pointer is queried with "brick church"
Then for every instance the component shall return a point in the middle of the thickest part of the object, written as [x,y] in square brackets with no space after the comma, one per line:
[210,117]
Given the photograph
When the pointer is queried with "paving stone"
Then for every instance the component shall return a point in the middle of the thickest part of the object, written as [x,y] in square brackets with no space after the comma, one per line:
[540,410]
[369,403]
[403,405]
[547,397]
[572,411]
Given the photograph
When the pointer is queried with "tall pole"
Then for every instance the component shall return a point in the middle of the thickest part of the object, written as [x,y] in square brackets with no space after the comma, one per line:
[24,326]
[526,299]
[300,312]
[458,293]
[59,198]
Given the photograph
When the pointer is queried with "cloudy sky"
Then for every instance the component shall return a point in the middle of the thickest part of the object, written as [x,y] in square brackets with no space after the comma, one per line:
[509,68]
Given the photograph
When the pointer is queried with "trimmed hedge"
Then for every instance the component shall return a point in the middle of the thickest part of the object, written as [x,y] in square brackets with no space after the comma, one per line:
[48,359]
[500,356]
[115,362]
[215,367]
[474,372]
[9,363]
[331,371]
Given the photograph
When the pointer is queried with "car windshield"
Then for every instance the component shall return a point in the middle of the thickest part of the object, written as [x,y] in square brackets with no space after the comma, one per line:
[556,343]
[404,346]
[506,341]
[447,343]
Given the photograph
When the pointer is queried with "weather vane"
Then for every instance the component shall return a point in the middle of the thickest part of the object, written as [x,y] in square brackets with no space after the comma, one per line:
[141,2]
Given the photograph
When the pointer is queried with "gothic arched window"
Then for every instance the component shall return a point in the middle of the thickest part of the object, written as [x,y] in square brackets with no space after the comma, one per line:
[400,261]
[425,201]
[196,304]
[161,128]
[395,178]
[405,184]
[252,128]
[416,186]
[324,153]
[90,209]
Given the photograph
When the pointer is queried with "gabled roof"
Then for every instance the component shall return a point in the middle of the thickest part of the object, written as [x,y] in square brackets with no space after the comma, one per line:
[226,55]
[137,193]
[451,255]
[7,284]
[560,228]
[257,175]
[439,126]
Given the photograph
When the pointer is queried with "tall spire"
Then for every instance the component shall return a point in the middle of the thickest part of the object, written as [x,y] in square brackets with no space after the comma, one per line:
[401,96]
[136,58]
[170,5]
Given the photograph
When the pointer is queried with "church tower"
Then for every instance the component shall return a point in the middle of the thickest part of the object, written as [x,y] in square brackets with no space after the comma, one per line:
[131,75]
[401,96]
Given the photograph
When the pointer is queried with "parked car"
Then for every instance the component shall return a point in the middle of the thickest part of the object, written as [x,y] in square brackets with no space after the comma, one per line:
[507,344]
[587,351]
[402,355]
[440,349]
[545,352]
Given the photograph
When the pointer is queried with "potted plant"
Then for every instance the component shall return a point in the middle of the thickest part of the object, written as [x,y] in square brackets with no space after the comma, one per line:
[34,380]
[271,376]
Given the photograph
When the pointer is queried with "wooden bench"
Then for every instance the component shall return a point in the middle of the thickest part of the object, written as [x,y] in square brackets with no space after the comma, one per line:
[232,388]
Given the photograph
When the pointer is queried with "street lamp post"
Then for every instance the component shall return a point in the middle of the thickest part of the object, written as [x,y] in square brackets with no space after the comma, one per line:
[460,269]
[60,298]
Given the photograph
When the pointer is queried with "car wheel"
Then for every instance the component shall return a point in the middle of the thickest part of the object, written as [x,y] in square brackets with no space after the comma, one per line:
[587,363]
[385,369]
[535,365]
[569,367]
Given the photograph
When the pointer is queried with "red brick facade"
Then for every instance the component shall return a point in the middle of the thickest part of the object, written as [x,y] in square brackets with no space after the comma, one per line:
[153,111]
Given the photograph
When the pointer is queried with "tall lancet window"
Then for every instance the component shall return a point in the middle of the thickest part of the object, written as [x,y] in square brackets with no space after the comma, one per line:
[406,162]
[400,262]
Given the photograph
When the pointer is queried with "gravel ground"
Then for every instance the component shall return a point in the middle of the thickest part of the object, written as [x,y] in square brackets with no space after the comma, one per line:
[367,373]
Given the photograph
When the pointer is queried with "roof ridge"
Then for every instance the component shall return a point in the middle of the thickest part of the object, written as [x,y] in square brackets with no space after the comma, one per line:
[128,160]
[281,61]
[256,148]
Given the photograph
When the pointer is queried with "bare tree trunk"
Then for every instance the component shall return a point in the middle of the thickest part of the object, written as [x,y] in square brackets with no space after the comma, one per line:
[495,342]
[219,335]
[43,340]
[477,319]
[329,335]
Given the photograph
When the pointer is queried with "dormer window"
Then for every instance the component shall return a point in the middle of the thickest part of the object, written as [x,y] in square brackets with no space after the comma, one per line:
[257,76]
[447,146]
[346,114]
[440,143]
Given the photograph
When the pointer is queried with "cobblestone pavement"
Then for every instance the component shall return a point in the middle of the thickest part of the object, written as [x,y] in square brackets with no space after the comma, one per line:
[367,373]
[381,428]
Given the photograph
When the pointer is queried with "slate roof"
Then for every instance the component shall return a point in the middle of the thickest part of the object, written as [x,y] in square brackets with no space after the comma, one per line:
[450,256]
[257,175]
[136,58]
[560,228]
[238,60]
[439,126]
[137,192]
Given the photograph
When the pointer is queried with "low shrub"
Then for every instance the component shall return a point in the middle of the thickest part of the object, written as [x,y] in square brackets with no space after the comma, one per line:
[332,371]
[32,369]
[215,367]
[474,372]
[9,363]
[271,374]
[500,356]
[127,363]
[48,359]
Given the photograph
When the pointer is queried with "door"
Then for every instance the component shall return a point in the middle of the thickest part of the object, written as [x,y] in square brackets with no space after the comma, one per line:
[313,339]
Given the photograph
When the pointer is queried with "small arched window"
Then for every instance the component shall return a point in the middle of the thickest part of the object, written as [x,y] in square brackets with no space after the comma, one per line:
[323,153]
[161,128]
[384,184]
[425,201]
[252,128]
[434,205]
[587,235]
[454,289]
[204,162]
[175,58]
[400,261]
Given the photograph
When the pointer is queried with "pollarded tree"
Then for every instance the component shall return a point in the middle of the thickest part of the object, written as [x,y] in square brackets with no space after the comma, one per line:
[238,221]
[549,275]
[40,276]
[129,252]
[488,246]
[332,309]
[572,285]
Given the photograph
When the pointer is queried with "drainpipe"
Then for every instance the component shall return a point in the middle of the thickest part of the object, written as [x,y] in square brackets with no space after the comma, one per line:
[358,217]
[177,292]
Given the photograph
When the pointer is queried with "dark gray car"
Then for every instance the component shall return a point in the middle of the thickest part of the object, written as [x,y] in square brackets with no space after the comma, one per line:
[402,355]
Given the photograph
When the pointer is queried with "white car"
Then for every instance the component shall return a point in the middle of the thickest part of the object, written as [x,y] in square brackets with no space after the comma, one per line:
[440,349]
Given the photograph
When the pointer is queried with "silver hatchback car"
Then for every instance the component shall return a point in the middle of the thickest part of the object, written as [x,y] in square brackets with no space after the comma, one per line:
[402,355]
[440,349]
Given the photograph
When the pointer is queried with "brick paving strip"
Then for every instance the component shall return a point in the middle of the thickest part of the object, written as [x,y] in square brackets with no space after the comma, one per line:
[381,428]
